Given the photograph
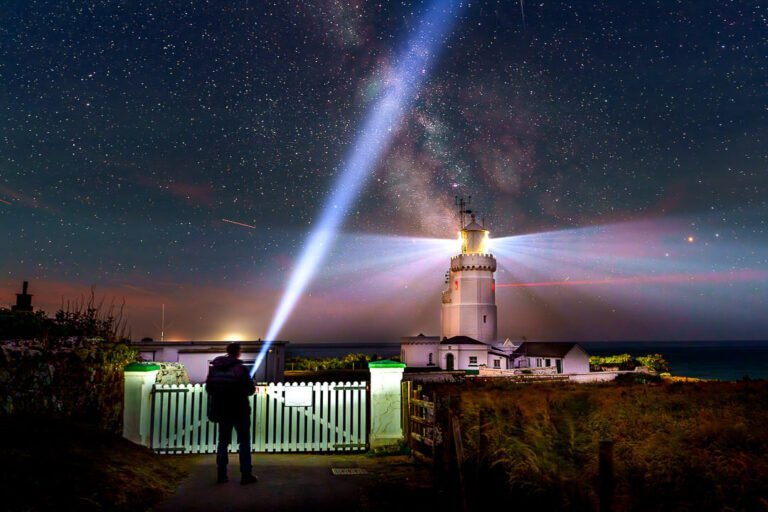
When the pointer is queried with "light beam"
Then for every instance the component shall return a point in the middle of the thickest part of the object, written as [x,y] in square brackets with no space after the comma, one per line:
[370,144]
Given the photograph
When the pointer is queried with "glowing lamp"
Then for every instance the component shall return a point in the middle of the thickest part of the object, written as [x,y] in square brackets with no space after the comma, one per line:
[474,239]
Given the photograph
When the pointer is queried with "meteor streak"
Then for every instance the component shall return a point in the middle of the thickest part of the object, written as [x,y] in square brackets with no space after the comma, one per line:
[6,202]
[371,143]
[238,223]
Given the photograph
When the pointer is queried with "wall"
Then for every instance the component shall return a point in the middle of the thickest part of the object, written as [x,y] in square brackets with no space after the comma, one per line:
[471,296]
[594,377]
[78,378]
[417,354]
[502,361]
[576,361]
[461,354]
[197,361]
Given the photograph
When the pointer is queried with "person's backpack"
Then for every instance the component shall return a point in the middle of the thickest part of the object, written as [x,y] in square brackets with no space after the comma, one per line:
[221,384]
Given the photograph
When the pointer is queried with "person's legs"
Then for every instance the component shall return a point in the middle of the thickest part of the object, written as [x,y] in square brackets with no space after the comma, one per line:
[222,450]
[243,428]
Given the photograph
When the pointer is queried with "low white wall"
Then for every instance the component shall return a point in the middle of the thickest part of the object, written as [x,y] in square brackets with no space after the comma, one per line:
[197,364]
[593,377]
[434,376]
[578,377]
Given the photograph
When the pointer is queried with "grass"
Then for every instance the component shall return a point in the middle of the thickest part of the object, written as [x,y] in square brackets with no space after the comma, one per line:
[60,465]
[678,445]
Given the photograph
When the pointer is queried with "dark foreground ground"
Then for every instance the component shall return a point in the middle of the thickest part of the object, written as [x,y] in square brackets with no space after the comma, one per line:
[49,464]
[296,482]
[57,465]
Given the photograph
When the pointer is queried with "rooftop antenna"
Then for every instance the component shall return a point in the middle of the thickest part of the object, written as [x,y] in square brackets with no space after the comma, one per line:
[463,210]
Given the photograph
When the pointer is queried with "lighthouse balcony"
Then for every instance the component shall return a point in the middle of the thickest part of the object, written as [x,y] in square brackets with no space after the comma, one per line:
[473,262]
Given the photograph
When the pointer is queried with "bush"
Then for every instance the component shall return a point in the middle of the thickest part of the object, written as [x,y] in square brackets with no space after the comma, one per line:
[347,362]
[654,362]
[68,366]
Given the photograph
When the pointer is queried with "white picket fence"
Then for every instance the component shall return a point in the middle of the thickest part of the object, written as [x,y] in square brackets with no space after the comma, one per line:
[305,417]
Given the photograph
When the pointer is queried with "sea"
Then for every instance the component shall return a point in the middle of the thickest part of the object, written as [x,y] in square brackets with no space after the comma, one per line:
[716,360]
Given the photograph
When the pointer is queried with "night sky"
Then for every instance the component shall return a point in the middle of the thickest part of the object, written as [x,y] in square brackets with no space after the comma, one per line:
[618,136]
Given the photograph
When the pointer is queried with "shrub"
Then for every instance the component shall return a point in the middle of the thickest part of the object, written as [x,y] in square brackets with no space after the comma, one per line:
[654,362]
[68,366]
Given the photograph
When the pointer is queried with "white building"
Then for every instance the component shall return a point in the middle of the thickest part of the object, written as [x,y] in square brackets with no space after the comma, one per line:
[196,356]
[554,356]
[468,334]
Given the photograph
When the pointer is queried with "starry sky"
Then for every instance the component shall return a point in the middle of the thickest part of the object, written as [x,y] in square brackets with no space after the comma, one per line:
[177,153]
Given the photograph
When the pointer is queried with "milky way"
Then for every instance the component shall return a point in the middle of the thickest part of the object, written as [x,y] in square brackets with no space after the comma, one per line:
[135,136]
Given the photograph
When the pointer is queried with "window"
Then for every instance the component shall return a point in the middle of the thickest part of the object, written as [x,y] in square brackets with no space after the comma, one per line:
[549,363]
[484,316]
[538,363]
[497,363]
[430,359]
[472,360]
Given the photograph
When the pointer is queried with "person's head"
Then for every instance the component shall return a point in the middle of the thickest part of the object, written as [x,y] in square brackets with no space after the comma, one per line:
[233,349]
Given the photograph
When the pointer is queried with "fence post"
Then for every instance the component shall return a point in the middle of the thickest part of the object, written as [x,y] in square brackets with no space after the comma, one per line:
[139,380]
[386,402]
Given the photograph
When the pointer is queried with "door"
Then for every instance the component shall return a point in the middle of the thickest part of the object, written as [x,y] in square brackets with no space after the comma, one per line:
[449,362]
[559,364]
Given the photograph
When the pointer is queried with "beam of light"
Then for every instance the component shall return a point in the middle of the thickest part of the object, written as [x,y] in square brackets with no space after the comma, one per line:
[390,287]
[238,223]
[719,277]
[694,277]
[370,144]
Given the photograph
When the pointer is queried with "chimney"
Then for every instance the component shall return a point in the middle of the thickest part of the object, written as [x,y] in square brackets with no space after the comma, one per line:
[23,299]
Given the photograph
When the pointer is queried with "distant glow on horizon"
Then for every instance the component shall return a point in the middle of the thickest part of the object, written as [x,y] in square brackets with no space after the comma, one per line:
[233,337]
[371,143]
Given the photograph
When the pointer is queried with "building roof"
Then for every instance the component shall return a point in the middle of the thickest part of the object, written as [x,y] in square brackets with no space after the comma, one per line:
[202,345]
[544,348]
[419,340]
[474,226]
[461,340]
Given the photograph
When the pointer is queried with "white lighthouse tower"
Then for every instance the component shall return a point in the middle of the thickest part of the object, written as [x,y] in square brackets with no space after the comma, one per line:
[469,302]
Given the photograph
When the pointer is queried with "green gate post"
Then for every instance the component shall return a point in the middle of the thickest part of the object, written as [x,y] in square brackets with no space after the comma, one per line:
[137,401]
[386,402]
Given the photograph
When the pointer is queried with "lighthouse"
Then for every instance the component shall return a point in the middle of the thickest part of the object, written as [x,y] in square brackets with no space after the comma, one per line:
[469,300]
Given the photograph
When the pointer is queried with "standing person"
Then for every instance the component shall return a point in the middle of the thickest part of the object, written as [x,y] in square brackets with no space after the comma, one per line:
[229,388]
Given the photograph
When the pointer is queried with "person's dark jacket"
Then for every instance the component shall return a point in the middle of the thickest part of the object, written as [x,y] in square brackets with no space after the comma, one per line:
[229,388]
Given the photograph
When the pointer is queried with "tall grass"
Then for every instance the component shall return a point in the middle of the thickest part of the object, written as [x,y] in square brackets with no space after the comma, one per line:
[696,446]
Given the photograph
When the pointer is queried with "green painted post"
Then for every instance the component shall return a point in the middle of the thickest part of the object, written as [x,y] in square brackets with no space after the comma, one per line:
[386,402]
[139,381]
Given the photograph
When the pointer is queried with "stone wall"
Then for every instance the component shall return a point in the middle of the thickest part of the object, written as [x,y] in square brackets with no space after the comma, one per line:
[172,373]
[77,378]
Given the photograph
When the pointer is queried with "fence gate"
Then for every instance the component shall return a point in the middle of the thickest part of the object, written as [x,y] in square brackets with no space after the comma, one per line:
[296,417]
